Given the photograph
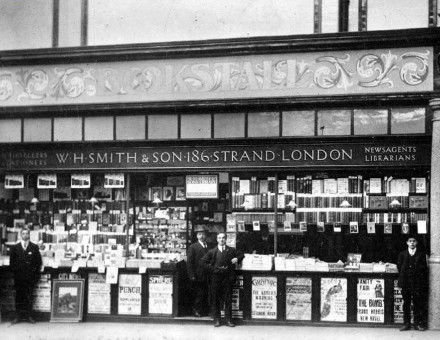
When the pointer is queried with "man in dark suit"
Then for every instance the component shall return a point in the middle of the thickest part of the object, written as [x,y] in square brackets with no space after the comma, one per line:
[25,263]
[221,262]
[197,273]
[413,279]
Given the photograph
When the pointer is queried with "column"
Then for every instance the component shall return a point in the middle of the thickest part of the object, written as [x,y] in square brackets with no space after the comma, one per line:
[434,257]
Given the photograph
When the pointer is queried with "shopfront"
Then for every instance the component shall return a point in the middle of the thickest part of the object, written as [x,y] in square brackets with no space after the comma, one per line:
[317,166]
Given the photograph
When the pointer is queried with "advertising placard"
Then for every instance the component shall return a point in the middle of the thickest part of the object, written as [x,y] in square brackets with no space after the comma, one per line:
[201,186]
[48,181]
[264,297]
[334,299]
[398,304]
[114,181]
[370,300]
[67,300]
[298,298]
[42,294]
[130,294]
[160,294]
[98,294]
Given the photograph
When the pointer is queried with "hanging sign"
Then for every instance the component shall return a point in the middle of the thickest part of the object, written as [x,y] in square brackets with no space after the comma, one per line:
[98,294]
[334,299]
[80,181]
[160,294]
[47,181]
[264,297]
[370,300]
[114,181]
[14,181]
[298,298]
[130,294]
[201,186]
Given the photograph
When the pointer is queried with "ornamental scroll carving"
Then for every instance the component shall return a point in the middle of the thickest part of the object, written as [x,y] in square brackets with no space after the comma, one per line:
[305,74]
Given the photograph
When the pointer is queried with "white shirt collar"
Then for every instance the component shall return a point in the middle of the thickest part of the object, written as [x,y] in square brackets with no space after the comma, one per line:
[221,248]
[202,244]
[412,251]
[23,244]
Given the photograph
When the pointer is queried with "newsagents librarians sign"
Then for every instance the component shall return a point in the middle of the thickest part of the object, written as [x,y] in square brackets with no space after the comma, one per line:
[326,73]
[214,157]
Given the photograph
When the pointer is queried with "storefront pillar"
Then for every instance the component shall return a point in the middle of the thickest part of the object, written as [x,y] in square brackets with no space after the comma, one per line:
[434,257]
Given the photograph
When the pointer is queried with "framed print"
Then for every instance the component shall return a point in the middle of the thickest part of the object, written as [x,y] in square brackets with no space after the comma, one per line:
[156,193]
[14,181]
[80,181]
[47,181]
[168,193]
[67,300]
[180,194]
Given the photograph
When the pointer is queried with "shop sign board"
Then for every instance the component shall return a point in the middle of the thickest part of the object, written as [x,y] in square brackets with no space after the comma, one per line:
[326,155]
[160,294]
[334,299]
[264,297]
[130,294]
[42,293]
[370,300]
[298,298]
[98,294]
[324,73]
[398,304]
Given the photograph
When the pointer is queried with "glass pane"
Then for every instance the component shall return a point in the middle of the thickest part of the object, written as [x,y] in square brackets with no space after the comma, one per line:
[299,123]
[229,125]
[130,127]
[407,120]
[98,128]
[162,127]
[37,130]
[69,23]
[134,21]
[334,122]
[25,24]
[195,126]
[67,129]
[10,130]
[330,16]
[370,122]
[264,124]
[397,14]
[353,16]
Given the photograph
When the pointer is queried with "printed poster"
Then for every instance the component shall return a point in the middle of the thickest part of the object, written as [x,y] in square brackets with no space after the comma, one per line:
[130,294]
[334,299]
[98,294]
[160,294]
[42,294]
[264,297]
[298,298]
[370,300]
[398,304]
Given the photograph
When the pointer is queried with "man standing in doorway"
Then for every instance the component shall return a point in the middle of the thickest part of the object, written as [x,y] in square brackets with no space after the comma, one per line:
[25,264]
[221,262]
[198,274]
[413,279]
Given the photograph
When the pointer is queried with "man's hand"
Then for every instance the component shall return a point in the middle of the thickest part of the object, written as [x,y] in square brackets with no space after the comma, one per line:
[234,260]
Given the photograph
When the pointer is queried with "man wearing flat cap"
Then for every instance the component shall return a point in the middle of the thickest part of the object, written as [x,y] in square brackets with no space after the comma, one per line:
[197,273]
[413,279]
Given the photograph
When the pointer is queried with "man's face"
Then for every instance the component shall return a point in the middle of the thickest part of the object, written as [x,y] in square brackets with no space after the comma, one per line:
[221,239]
[412,243]
[201,236]
[25,235]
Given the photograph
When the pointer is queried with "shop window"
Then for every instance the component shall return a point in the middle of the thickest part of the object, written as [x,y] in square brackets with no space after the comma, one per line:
[162,127]
[195,126]
[229,125]
[330,16]
[303,16]
[353,16]
[370,122]
[334,122]
[264,124]
[98,128]
[299,123]
[397,14]
[37,130]
[407,120]
[10,130]
[69,23]
[67,129]
[25,24]
[130,127]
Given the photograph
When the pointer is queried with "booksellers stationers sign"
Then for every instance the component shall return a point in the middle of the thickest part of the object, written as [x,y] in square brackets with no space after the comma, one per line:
[214,157]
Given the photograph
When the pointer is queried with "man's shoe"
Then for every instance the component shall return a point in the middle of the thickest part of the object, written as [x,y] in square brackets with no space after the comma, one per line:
[31,319]
[230,324]
[217,323]
[421,328]
[405,328]
[197,314]
[15,321]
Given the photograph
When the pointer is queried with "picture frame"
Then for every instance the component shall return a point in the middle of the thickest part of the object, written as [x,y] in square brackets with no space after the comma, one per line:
[67,300]
[156,192]
[180,194]
[168,193]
